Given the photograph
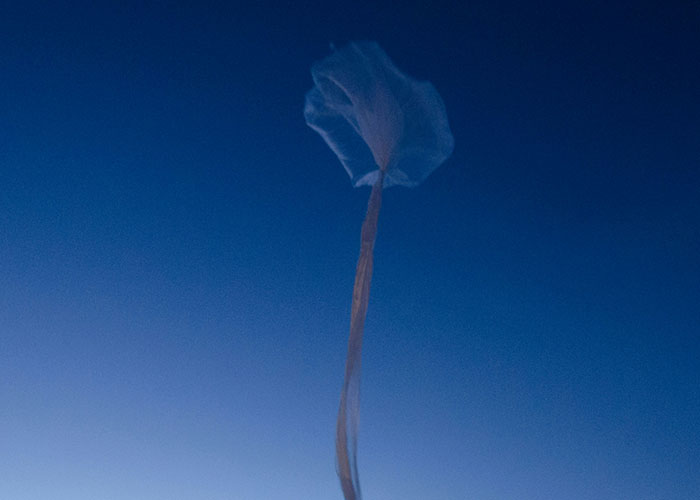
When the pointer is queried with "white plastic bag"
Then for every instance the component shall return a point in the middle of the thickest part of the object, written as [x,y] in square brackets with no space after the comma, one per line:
[386,129]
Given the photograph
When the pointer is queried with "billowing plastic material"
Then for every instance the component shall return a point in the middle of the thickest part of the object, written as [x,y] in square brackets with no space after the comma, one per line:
[386,129]
[374,117]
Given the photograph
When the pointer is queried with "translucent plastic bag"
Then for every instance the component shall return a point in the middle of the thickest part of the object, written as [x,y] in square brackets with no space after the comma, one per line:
[386,129]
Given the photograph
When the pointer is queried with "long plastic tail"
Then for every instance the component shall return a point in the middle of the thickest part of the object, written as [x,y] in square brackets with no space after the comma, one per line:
[349,411]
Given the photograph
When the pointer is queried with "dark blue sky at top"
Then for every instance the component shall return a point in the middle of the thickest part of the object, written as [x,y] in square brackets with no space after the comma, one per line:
[177,253]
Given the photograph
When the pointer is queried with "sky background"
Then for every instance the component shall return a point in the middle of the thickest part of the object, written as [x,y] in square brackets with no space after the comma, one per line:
[177,253]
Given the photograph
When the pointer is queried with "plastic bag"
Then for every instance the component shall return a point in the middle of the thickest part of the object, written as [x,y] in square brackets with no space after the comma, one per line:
[386,129]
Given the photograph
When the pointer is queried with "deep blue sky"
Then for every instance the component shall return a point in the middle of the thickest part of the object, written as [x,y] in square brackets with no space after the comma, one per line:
[177,252]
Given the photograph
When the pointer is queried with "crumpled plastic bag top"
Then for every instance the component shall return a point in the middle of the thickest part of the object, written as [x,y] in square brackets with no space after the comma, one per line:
[375,117]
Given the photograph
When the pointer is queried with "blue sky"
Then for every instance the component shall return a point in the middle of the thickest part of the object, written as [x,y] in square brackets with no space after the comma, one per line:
[177,252]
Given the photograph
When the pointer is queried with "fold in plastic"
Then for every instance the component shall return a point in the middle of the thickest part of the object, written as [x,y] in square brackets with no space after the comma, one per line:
[348,421]
[375,117]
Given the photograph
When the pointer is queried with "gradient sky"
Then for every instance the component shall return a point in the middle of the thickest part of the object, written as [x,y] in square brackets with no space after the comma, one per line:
[177,252]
